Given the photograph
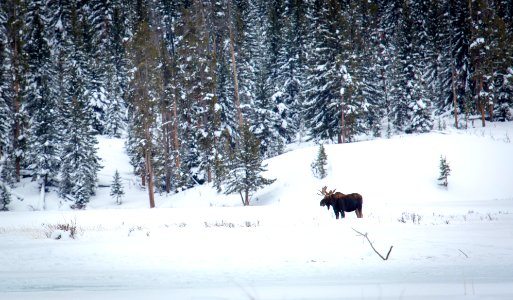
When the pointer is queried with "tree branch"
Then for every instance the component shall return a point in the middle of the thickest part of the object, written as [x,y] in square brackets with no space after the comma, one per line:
[463,253]
[372,246]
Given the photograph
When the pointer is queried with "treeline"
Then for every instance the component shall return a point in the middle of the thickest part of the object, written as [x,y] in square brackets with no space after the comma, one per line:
[203,88]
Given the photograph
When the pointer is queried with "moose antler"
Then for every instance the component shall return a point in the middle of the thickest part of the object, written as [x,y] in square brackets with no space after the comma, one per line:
[325,193]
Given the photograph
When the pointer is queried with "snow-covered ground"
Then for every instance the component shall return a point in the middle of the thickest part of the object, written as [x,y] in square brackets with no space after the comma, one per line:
[454,242]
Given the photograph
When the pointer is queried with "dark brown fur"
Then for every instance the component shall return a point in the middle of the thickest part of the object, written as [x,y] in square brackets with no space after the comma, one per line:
[344,203]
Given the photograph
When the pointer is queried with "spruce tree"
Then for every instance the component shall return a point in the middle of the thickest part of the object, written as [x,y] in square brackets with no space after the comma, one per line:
[420,107]
[116,189]
[40,99]
[322,90]
[290,70]
[245,168]
[445,171]
[146,89]
[80,163]
[5,196]
[16,34]
[319,164]
[6,100]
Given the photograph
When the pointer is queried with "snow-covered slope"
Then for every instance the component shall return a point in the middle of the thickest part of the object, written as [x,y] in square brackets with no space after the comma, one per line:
[401,171]
[452,242]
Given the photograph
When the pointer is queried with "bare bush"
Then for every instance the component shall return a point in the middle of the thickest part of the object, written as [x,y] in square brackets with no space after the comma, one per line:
[413,217]
[55,231]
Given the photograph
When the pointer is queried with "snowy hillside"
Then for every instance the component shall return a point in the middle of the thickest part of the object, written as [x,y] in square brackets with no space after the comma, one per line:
[453,242]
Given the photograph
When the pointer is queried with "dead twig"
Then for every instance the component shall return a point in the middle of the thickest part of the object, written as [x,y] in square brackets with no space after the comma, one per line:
[372,246]
[463,253]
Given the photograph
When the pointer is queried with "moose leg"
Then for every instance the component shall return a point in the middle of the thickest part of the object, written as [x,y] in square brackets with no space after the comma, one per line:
[343,214]
[336,214]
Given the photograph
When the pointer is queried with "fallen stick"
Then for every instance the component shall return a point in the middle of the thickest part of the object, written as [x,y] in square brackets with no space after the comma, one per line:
[372,246]
[463,253]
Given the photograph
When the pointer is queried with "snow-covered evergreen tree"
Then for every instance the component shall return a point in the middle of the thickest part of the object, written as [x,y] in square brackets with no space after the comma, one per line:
[117,73]
[146,90]
[319,164]
[80,163]
[6,96]
[291,70]
[255,41]
[116,189]
[420,108]
[322,90]
[40,99]
[5,196]
[244,175]
[445,171]
[6,103]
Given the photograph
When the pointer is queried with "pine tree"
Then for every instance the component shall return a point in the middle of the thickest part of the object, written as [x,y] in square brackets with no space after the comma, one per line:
[420,107]
[319,165]
[445,171]
[5,196]
[460,35]
[266,121]
[244,174]
[291,70]
[16,34]
[98,28]
[146,89]
[40,100]
[404,79]
[374,71]
[80,163]
[116,189]
[6,101]
[116,72]
[6,120]
[322,91]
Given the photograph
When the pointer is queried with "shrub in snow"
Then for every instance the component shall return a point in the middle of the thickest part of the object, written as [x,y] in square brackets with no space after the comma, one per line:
[413,217]
[116,189]
[319,164]
[445,171]
[5,196]
[61,231]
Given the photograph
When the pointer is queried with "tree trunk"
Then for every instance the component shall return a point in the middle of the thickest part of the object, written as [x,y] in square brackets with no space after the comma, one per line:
[149,169]
[176,142]
[342,134]
[167,153]
[234,68]
[42,195]
[454,98]
[16,61]
[246,196]
[480,104]
[17,128]
[490,109]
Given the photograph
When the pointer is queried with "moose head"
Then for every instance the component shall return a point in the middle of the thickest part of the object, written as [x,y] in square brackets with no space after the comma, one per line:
[327,200]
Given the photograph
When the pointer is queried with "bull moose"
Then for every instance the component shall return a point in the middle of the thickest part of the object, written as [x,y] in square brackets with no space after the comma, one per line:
[341,202]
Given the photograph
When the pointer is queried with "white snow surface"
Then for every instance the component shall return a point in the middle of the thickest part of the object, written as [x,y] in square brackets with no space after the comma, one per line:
[448,243]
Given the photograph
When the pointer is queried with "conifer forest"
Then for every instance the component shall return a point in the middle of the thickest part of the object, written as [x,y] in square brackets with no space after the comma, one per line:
[205,90]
